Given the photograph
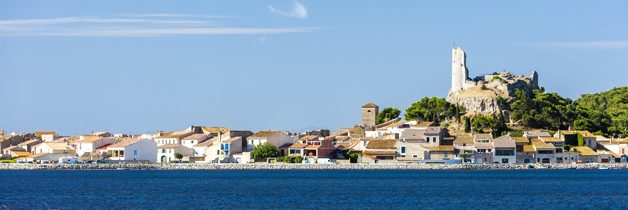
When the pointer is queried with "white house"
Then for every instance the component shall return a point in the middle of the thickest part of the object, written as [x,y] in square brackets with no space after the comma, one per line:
[46,136]
[166,153]
[28,145]
[223,150]
[170,138]
[88,145]
[276,138]
[191,140]
[134,150]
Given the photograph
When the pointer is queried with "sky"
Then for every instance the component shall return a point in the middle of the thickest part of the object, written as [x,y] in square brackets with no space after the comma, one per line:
[143,66]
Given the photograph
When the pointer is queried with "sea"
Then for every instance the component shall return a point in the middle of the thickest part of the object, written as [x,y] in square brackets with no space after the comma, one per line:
[314,189]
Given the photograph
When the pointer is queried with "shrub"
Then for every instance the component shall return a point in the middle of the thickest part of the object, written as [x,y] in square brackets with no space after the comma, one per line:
[298,159]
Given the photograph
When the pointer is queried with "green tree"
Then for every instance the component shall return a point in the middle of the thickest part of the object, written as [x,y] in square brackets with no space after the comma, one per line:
[178,156]
[482,123]
[516,133]
[353,156]
[467,125]
[432,109]
[500,128]
[536,109]
[264,151]
[606,112]
[387,114]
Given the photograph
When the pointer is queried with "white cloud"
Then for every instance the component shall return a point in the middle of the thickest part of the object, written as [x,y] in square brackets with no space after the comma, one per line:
[132,25]
[144,32]
[71,20]
[298,10]
[589,44]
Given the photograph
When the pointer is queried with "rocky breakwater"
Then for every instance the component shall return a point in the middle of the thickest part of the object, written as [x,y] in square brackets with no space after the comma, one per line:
[263,166]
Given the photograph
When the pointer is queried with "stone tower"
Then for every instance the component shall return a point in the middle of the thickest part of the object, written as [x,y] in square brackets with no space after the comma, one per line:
[535,79]
[459,71]
[369,111]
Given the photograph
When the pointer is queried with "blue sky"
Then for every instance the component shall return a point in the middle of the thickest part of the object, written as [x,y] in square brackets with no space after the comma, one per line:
[142,66]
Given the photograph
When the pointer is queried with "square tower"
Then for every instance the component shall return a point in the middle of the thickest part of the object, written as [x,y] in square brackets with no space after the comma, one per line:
[369,111]
[459,71]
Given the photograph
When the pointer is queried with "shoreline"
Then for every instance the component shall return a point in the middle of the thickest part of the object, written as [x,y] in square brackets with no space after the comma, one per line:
[264,166]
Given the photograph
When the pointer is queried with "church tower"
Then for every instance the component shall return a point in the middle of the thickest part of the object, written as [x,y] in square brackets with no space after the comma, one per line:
[369,111]
[459,71]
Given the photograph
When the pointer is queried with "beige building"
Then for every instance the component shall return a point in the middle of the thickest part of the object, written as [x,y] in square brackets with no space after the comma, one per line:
[369,111]
[54,147]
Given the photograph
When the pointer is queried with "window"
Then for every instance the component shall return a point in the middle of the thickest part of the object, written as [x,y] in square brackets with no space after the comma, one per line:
[403,150]
[483,141]
[504,160]
[226,146]
[500,152]
[434,139]
[134,152]
[415,155]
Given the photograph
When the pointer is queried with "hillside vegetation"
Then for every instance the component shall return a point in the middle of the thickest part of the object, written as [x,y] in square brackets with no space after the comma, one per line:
[604,113]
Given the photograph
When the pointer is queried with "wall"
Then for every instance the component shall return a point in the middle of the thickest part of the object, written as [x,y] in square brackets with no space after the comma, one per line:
[146,151]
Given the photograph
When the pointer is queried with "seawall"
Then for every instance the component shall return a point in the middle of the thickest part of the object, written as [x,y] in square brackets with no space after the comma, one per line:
[262,166]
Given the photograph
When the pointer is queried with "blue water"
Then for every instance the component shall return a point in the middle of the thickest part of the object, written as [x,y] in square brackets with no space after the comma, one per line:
[538,189]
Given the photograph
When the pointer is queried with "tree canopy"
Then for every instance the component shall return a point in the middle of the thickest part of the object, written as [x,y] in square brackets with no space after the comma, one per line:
[387,114]
[263,151]
[536,109]
[605,112]
[432,109]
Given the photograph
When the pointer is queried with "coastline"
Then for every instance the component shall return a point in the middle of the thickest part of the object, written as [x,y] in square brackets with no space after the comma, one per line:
[263,166]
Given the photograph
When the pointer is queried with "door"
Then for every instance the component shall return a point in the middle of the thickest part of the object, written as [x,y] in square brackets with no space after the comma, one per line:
[164,159]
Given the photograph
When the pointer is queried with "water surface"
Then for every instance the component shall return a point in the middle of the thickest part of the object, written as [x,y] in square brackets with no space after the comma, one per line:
[338,189]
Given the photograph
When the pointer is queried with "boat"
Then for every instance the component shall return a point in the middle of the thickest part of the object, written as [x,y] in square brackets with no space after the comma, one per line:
[602,167]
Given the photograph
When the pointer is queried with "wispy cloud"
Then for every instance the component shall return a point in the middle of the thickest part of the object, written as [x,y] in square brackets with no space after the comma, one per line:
[122,32]
[132,25]
[587,44]
[298,10]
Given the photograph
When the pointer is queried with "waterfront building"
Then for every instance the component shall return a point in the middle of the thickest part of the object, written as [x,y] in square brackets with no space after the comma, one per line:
[167,153]
[54,147]
[133,149]
[277,138]
[171,137]
[223,150]
[89,144]
[377,150]
[194,139]
[483,144]
[505,150]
